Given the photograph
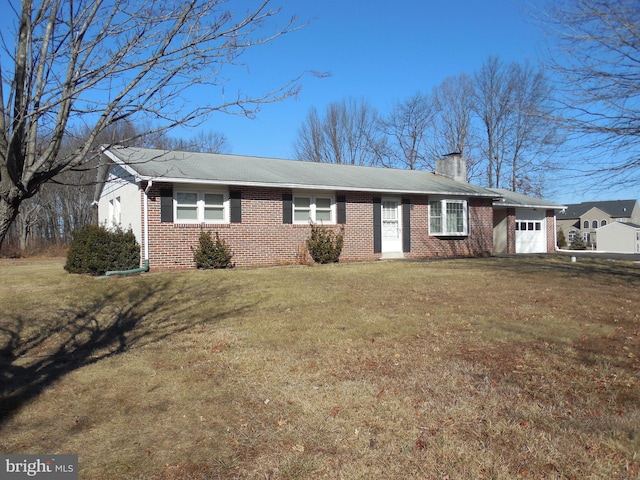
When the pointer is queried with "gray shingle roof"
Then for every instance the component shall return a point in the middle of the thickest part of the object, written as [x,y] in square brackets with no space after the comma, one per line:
[614,208]
[186,167]
[628,224]
[513,199]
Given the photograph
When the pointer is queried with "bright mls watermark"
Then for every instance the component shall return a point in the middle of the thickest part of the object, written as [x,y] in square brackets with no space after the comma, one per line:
[50,467]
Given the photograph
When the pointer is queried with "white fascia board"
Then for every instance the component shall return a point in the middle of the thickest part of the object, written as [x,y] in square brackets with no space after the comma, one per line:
[518,205]
[299,186]
[126,167]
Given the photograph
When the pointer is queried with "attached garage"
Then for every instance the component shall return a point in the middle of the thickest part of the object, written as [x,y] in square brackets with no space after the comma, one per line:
[523,224]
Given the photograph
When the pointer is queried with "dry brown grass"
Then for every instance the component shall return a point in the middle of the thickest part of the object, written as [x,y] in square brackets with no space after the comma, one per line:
[487,368]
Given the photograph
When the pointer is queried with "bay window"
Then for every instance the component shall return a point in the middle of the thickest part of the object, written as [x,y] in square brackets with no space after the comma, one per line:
[448,217]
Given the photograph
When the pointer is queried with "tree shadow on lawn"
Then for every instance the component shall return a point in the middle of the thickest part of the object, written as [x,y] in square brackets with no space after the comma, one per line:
[32,359]
[584,267]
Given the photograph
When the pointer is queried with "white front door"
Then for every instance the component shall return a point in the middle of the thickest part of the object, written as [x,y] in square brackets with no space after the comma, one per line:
[391,226]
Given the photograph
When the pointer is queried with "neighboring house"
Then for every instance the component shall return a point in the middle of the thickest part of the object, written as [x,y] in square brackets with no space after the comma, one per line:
[585,218]
[263,208]
[523,224]
[619,237]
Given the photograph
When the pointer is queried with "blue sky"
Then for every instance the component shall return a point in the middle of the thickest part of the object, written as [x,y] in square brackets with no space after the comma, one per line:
[379,50]
[384,51]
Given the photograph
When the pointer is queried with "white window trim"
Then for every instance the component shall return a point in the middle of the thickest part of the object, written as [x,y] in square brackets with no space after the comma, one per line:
[529,225]
[200,206]
[443,207]
[312,214]
[115,212]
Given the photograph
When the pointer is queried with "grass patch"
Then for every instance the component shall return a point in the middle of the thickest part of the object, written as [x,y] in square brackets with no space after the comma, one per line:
[484,368]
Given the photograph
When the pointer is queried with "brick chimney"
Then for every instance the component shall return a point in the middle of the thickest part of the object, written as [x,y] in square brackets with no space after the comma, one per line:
[452,165]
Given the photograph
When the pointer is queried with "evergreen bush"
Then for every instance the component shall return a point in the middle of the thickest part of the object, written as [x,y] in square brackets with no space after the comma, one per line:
[96,250]
[324,244]
[578,243]
[212,253]
[562,239]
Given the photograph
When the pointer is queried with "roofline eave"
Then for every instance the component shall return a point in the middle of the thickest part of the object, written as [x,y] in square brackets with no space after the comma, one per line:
[128,168]
[513,205]
[302,186]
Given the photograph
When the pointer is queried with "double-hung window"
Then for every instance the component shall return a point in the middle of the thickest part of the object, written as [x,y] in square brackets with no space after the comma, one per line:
[448,217]
[316,208]
[201,207]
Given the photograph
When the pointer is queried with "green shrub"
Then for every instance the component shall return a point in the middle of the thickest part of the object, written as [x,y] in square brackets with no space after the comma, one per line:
[324,244]
[96,250]
[212,254]
[578,242]
[562,239]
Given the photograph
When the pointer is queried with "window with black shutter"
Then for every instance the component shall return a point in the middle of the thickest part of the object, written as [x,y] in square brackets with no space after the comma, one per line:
[166,205]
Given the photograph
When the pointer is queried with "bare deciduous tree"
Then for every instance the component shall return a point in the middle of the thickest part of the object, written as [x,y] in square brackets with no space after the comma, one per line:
[492,104]
[596,58]
[513,102]
[97,62]
[349,134]
[532,137]
[408,126]
[65,203]
[453,121]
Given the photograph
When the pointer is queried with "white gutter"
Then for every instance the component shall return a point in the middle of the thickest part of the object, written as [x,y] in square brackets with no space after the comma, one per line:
[301,186]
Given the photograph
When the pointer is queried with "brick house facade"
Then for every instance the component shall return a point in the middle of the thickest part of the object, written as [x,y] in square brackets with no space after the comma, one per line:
[261,238]
[263,208]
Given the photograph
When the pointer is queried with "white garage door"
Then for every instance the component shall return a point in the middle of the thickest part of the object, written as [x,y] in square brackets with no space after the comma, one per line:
[531,232]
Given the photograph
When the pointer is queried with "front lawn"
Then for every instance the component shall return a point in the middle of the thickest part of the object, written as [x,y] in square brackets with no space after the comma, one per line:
[495,368]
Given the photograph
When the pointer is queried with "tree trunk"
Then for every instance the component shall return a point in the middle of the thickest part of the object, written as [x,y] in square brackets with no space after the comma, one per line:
[8,213]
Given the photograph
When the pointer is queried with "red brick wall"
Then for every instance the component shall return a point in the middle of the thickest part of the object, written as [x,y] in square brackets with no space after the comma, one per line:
[262,239]
[511,230]
[479,241]
[551,231]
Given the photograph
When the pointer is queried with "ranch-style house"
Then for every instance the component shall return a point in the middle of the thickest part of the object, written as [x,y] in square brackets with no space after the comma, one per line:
[263,208]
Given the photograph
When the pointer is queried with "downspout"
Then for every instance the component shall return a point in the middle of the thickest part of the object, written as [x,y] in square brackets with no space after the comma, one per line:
[129,272]
[145,237]
[555,233]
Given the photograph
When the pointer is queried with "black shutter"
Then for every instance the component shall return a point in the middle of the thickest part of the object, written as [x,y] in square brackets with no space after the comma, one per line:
[377,225]
[166,205]
[341,202]
[287,208]
[236,206]
[406,225]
